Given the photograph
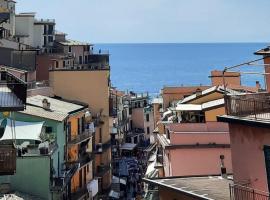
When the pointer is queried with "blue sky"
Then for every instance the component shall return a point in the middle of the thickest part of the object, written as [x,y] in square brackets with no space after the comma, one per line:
[133,21]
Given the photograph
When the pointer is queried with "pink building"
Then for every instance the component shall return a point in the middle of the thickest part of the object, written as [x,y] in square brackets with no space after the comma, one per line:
[195,149]
[248,117]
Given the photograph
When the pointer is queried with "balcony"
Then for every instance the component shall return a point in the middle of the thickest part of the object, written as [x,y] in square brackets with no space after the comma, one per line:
[250,106]
[103,169]
[240,192]
[7,160]
[73,140]
[82,160]
[59,183]
[13,93]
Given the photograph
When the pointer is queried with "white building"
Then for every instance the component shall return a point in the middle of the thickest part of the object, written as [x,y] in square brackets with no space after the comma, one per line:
[35,33]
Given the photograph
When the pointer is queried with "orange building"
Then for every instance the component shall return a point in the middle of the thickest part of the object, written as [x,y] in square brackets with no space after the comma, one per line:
[90,86]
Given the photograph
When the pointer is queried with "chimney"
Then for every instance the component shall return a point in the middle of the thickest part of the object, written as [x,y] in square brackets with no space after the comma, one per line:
[46,104]
[198,92]
[258,85]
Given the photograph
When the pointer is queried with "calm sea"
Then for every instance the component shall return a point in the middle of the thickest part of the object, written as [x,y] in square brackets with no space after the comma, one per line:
[149,67]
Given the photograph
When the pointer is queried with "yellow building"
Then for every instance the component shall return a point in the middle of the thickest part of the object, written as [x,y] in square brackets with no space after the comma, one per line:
[91,86]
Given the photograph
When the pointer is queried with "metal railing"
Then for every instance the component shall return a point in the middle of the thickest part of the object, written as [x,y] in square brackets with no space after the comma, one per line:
[40,84]
[13,92]
[239,192]
[80,137]
[254,106]
[45,20]
[82,159]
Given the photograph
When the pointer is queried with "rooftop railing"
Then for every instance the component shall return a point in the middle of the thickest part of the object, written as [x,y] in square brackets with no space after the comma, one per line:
[13,92]
[239,192]
[44,20]
[37,84]
[252,106]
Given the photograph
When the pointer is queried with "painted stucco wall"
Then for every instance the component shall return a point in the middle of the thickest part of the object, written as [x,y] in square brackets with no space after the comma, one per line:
[32,176]
[149,124]
[38,40]
[198,161]
[211,115]
[247,144]
[57,130]
[137,118]
[202,133]
[87,176]
[231,78]
[90,87]
[25,26]
[156,113]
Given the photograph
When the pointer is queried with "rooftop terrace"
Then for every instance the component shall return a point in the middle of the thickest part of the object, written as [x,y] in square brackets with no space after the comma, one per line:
[248,108]
[209,187]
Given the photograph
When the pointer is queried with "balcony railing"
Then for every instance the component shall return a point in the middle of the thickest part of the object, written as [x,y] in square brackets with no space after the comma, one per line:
[45,21]
[13,92]
[83,159]
[103,169]
[59,183]
[80,138]
[253,106]
[239,192]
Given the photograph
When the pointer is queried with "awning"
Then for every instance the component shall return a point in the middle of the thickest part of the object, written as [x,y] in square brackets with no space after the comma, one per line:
[151,171]
[92,187]
[188,107]
[152,158]
[128,146]
[116,179]
[23,131]
[166,113]
[114,194]
[156,130]
[150,147]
